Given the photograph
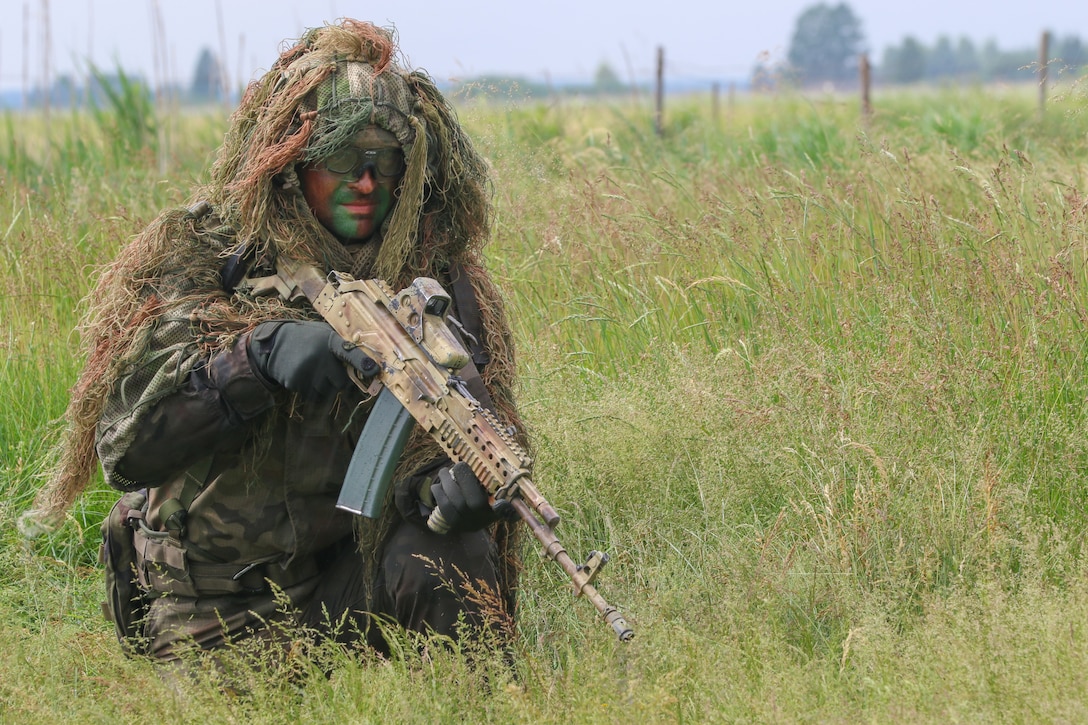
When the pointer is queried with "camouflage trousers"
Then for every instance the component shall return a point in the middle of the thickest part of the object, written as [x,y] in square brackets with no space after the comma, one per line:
[424,582]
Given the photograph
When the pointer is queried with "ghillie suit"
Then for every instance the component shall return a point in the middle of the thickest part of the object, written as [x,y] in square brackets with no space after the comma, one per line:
[161,314]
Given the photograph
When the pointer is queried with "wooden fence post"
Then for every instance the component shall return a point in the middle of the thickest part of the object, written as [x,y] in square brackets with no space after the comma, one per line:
[659,124]
[866,85]
[1044,61]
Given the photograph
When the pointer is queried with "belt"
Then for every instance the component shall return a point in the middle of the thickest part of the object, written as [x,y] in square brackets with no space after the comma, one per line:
[210,578]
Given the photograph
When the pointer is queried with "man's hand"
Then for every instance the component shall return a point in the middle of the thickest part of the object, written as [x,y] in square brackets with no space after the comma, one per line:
[306,357]
[455,492]
[461,500]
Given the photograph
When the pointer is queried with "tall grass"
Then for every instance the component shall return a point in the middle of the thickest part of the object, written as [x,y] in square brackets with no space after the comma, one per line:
[816,383]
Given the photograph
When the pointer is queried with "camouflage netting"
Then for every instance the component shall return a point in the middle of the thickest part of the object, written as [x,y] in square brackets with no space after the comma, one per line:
[331,83]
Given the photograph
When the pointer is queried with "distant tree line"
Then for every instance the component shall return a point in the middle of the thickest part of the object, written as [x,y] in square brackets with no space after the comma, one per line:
[207,86]
[66,92]
[912,61]
[828,40]
[606,82]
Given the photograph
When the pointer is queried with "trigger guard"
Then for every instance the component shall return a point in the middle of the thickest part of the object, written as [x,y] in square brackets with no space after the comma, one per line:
[371,386]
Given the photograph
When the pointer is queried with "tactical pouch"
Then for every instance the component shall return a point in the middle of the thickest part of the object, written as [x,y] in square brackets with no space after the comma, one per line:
[125,604]
[161,563]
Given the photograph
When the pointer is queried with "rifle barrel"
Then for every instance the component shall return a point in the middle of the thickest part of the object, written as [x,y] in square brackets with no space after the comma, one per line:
[555,551]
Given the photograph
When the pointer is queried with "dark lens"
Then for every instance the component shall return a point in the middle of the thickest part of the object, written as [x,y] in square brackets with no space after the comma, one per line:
[343,161]
[353,161]
[389,162]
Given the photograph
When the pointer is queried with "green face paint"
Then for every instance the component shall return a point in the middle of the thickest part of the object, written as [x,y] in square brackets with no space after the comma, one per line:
[358,208]
[352,209]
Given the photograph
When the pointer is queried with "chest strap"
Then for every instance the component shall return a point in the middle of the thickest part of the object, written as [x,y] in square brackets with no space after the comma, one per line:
[468,314]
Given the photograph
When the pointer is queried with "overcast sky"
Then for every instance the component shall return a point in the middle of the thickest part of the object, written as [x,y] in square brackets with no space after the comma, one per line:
[707,39]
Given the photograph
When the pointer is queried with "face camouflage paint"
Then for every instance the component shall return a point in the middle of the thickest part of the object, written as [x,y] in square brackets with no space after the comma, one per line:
[351,191]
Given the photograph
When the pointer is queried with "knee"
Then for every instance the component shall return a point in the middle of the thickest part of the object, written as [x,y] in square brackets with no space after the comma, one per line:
[418,561]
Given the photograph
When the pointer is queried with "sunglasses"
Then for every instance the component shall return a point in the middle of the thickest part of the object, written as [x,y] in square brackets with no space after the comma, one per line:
[353,162]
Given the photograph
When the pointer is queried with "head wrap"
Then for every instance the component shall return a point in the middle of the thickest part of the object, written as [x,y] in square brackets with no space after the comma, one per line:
[353,97]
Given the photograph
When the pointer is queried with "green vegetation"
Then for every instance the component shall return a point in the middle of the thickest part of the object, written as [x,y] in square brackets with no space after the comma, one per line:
[816,383]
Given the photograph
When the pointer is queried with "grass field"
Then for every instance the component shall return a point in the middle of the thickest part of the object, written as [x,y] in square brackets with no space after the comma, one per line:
[816,382]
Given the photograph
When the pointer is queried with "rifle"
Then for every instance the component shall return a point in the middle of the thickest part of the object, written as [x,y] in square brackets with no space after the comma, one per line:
[418,360]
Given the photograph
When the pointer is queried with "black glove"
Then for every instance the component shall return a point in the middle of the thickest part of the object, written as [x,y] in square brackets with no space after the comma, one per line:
[461,500]
[457,494]
[306,357]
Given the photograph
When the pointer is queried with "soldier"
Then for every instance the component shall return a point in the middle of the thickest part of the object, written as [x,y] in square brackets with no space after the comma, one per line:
[229,417]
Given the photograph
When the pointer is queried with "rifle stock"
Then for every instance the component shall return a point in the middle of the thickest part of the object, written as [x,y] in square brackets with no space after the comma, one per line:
[407,335]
